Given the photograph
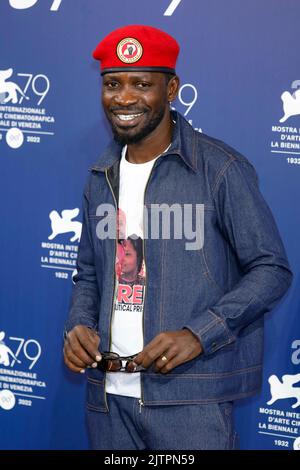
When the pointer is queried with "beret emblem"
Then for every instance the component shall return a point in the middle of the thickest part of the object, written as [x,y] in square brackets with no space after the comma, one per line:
[129,50]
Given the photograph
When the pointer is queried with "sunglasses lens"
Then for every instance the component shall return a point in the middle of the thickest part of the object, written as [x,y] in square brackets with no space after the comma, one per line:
[109,362]
[113,365]
[112,362]
[131,366]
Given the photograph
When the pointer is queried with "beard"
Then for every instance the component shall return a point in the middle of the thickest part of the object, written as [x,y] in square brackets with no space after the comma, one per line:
[133,136]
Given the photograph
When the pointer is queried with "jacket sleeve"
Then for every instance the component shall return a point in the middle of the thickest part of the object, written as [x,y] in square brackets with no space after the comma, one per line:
[84,305]
[248,225]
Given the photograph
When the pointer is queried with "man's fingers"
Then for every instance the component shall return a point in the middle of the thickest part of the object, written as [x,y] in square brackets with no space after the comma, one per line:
[75,360]
[81,345]
[72,366]
[90,341]
[74,346]
[172,363]
[151,352]
[166,359]
[177,346]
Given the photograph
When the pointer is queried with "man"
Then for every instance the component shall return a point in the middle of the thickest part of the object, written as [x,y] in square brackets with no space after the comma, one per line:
[191,338]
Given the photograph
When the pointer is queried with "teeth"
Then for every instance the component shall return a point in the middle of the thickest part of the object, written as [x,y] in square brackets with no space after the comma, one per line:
[128,117]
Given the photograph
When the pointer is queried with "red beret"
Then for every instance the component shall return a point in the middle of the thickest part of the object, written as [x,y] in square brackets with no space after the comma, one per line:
[137,47]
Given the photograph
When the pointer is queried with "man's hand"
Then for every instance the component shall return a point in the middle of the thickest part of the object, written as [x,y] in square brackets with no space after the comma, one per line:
[169,349]
[81,348]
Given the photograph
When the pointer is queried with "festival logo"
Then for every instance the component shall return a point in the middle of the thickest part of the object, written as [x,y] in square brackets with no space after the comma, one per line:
[5,352]
[279,419]
[283,389]
[291,102]
[285,140]
[64,223]
[19,383]
[21,124]
[8,89]
[61,255]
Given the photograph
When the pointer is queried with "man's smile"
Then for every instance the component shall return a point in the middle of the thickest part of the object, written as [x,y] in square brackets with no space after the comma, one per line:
[127,119]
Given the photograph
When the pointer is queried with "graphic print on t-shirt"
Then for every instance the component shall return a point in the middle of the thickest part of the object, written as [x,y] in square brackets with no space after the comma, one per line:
[130,270]
[127,320]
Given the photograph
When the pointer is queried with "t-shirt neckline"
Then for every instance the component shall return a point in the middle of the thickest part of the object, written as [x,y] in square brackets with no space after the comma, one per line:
[141,165]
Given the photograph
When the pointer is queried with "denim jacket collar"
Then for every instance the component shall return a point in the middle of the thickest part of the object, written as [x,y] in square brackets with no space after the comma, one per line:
[184,139]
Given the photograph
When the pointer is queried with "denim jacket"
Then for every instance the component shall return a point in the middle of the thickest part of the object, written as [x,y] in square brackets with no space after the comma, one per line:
[220,291]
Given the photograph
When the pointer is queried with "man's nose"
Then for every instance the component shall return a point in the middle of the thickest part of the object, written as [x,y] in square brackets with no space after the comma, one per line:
[125,97]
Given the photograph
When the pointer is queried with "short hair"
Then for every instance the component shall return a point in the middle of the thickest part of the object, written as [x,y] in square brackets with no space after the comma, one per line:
[168,76]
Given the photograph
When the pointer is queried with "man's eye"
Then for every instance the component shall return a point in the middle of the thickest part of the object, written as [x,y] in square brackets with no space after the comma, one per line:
[143,85]
[111,84]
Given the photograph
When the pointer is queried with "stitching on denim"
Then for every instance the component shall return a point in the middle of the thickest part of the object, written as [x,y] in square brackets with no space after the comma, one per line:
[215,315]
[220,174]
[224,420]
[209,400]
[211,376]
[137,418]
[231,155]
[96,408]
[218,319]
[214,144]
[88,187]
[228,262]
[207,327]
[240,162]
[95,381]
[146,415]
[221,345]
[208,271]
[162,284]
[222,321]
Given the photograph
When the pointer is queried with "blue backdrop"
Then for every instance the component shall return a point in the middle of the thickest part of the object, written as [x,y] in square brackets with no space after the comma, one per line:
[240,82]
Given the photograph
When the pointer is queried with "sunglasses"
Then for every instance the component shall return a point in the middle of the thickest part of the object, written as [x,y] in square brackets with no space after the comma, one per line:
[113,362]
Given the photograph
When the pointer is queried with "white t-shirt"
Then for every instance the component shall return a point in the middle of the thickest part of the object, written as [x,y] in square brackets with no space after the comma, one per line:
[127,320]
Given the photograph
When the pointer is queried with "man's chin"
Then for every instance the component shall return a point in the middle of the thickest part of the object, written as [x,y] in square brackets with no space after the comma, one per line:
[127,138]
[137,133]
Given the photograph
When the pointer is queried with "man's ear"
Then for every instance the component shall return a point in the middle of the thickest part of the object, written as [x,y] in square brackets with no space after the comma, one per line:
[173,88]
